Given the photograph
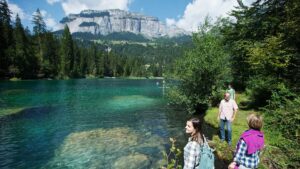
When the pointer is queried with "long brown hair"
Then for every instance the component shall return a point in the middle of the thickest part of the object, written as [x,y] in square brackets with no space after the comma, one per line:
[197,136]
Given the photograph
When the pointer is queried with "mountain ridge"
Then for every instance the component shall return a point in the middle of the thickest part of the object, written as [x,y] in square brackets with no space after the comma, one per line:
[105,22]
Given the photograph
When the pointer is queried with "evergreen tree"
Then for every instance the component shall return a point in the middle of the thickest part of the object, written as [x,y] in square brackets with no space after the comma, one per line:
[6,39]
[291,25]
[258,28]
[67,50]
[99,64]
[51,61]
[39,30]
[21,48]
[76,72]
[106,63]
[39,25]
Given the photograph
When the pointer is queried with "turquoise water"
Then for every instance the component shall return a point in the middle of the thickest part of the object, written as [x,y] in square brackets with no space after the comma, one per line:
[102,123]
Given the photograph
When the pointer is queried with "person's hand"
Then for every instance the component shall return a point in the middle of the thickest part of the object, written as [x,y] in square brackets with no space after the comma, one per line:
[231,120]
[231,165]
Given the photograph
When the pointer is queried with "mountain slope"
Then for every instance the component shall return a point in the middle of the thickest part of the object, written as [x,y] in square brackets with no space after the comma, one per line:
[111,21]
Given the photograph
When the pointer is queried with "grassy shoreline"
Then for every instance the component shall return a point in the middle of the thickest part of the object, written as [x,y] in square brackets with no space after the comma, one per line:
[271,154]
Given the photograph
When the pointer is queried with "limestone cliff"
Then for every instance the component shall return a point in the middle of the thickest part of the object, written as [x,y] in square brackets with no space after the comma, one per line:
[108,21]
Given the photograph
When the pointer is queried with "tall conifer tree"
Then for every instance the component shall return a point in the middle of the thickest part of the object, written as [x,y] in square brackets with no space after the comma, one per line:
[67,52]
[6,39]
[39,29]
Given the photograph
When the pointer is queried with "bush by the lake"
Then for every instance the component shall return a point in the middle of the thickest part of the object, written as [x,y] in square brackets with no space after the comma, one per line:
[202,70]
[171,158]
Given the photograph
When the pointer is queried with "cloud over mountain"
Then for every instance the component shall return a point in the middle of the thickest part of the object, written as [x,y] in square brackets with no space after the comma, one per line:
[76,6]
[196,11]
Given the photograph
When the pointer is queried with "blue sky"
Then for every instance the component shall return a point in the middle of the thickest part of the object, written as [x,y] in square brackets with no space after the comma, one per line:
[186,14]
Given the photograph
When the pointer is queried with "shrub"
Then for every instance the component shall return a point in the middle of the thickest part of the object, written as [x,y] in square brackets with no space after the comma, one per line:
[283,111]
[171,159]
[202,70]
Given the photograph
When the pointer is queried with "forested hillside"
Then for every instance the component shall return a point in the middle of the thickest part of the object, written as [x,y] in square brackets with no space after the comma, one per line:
[40,53]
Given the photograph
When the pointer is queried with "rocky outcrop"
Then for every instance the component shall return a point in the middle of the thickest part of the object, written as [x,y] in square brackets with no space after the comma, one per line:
[115,20]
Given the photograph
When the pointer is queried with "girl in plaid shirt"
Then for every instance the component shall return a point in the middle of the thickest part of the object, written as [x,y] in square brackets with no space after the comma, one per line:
[249,146]
[192,148]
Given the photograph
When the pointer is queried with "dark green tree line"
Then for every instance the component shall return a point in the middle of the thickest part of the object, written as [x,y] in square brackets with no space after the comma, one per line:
[41,54]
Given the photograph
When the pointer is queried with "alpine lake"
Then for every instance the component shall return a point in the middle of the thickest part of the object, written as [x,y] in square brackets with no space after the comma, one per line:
[86,123]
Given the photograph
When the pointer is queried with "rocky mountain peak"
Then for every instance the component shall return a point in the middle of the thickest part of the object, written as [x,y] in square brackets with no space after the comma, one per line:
[105,22]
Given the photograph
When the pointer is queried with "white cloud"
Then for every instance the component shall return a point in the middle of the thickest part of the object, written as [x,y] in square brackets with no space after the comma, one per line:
[15,9]
[44,13]
[170,21]
[51,2]
[52,24]
[196,11]
[76,6]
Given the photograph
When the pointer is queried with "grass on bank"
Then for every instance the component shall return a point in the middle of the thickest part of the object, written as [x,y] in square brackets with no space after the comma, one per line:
[271,155]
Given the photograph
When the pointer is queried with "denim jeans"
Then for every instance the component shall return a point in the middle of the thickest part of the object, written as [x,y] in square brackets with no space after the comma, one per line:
[222,130]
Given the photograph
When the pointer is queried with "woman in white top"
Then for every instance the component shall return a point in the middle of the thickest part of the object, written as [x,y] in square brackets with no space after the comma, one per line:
[192,148]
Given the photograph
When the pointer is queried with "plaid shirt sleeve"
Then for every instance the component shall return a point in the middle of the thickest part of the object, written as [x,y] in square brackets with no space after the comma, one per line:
[240,153]
[191,155]
[247,160]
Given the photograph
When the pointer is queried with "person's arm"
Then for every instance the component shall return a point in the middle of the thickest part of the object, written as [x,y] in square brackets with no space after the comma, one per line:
[232,165]
[235,109]
[220,110]
[190,160]
[240,152]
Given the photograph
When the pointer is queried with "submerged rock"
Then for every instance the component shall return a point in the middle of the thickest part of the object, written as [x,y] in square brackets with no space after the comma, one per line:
[94,148]
[129,102]
[135,161]
[108,148]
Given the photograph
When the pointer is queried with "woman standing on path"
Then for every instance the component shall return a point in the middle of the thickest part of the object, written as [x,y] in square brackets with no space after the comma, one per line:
[192,148]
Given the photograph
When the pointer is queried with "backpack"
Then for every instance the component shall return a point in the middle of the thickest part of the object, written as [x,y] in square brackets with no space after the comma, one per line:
[207,157]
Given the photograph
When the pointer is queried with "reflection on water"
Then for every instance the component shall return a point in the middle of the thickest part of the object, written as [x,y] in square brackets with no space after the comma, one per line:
[106,123]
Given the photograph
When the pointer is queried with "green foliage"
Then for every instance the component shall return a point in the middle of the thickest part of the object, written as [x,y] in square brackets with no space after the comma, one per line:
[260,42]
[122,36]
[217,96]
[6,40]
[265,42]
[171,159]
[283,110]
[67,52]
[43,55]
[39,23]
[285,114]
[263,90]
[259,89]
[269,57]
[202,70]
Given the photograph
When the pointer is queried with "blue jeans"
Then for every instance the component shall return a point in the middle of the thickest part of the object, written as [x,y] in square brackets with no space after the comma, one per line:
[222,130]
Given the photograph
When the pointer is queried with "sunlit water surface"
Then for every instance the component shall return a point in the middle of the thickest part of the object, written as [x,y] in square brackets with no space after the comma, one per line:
[103,123]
